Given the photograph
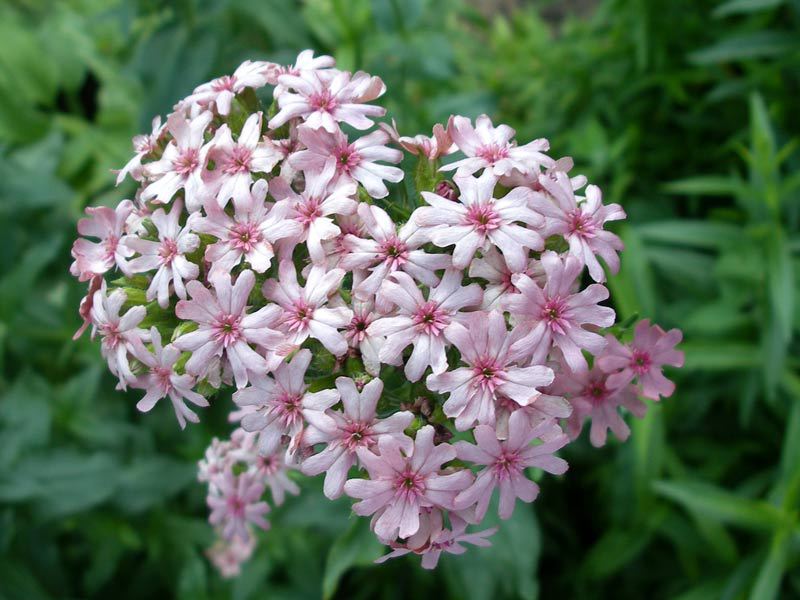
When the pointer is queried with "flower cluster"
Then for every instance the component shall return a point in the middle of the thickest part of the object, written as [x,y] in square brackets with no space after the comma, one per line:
[420,354]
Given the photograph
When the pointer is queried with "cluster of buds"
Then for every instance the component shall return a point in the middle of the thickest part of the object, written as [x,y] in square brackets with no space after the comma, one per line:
[419,353]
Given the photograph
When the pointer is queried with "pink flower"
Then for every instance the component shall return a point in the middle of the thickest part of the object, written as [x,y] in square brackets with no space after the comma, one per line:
[400,486]
[142,145]
[85,307]
[235,502]
[225,327]
[591,395]
[353,162]
[305,62]
[422,322]
[543,407]
[220,92]
[96,258]
[488,147]
[304,312]
[248,234]
[235,162]
[182,164]
[323,98]
[580,224]
[388,251]
[280,405]
[491,373]
[493,269]
[429,147]
[358,337]
[506,462]
[556,316]
[358,427]
[478,219]
[167,256]
[651,348]
[229,555]
[313,208]
[121,334]
[275,473]
[162,380]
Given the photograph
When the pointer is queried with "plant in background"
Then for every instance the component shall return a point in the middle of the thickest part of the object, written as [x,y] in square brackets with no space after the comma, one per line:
[420,361]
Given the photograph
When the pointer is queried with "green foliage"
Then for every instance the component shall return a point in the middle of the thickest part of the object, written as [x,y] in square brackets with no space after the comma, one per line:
[685,111]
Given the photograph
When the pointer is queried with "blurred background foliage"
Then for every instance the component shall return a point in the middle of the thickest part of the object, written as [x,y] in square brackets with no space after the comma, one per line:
[685,111]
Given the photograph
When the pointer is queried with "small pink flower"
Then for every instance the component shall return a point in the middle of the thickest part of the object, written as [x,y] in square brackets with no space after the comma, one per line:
[488,147]
[143,145]
[249,234]
[400,486]
[491,373]
[229,555]
[162,380]
[305,62]
[388,251]
[121,334]
[85,307]
[313,208]
[651,349]
[182,164]
[304,312]
[322,99]
[280,405]
[556,315]
[592,396]
[93,259]
[235,503]
[236,161]
[167,256]
[422,322]
[506,462]
[432,147]
[358,337]
[275,473]
[220,92]
[225,327]
[581,224]
[353,162]
[358,427]
[492,268]
[478,220]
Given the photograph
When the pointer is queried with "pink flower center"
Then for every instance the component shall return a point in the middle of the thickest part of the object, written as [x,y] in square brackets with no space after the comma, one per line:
[163,376]
[506,465]
[308,211]
[186,162]
[223,84]
[236,506]
[505,281]
[289,407]
[245,236]
[227,329]
[395,251]
[492,153]
[487,373]
[483,218]
[409,485]
[431,319]
[299,315]
[347,158]
[237,161]
[323,101]
[553,314]
[356,435]
[581,224]
[596,392]
[111,334]
[357,328]
[268,465]
[641,362]
[110,245]
[167,251]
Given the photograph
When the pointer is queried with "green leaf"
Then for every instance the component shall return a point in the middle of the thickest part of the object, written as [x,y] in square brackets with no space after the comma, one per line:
[768,580]
[759,44]
[151,480]
[720,356]
[735,7]
[355,547]
[696,234]
[705,185]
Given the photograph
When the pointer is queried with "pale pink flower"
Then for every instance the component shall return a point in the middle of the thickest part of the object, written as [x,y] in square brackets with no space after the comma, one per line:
[226,329]
[275,473]
[400,486]
[322,100]
[229,555]
[93,259]
[358,337]
[167,256]
[220,92]
[182,164]
[591,396]
[388,251]
[357,427]
[432,147]
[478,220]
[492,268]
[216,460]
[313,208]
[121,334]
[85,307]
[580,223]
[353,162]
[281,404]
[556,316]
[162,380]
[422,322]
[543,407]
[236,161]
[505,463]
[651,349]
[305,62]
[305,313]
[143,145]
[491,148]
[235,502]
[248,234]
[492,372]
[531,178]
